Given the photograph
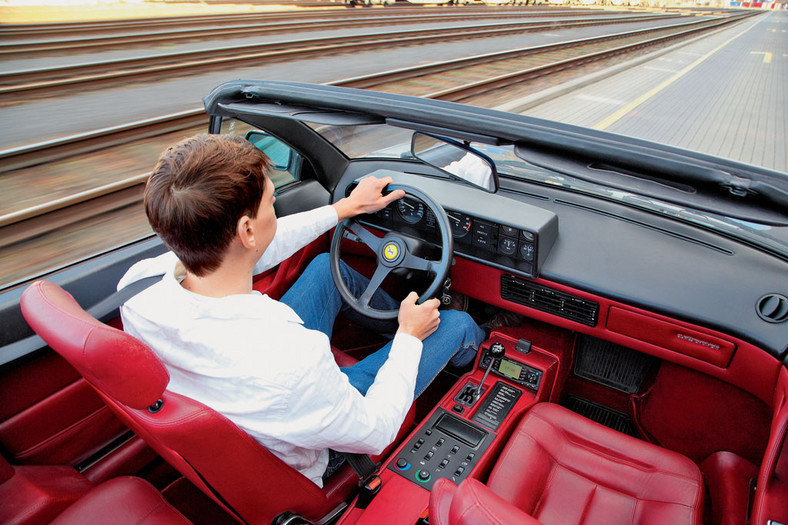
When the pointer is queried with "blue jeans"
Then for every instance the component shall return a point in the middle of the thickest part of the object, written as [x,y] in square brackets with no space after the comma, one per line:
[315,299]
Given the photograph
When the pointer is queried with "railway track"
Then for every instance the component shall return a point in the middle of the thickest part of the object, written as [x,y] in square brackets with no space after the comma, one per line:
[52,81]
[83,206]
[24,32]
[31,41]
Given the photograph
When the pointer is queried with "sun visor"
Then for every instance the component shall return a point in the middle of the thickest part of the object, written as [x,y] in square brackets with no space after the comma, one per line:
[301,113]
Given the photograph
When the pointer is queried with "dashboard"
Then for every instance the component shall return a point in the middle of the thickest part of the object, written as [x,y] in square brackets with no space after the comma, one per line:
[607,249]
[520,248]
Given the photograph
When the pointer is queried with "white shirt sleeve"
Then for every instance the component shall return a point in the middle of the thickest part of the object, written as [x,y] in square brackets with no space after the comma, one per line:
[295,231]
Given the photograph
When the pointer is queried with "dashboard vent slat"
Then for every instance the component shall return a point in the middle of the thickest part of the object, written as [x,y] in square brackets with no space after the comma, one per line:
[548,300]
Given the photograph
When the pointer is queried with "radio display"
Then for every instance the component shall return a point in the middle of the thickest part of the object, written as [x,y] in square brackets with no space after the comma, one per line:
[510,369]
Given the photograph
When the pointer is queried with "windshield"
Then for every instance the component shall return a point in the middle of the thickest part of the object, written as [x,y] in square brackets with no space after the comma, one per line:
[384,141]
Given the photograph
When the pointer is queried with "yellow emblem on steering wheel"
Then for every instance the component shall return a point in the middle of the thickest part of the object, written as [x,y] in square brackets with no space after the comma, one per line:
[390,252]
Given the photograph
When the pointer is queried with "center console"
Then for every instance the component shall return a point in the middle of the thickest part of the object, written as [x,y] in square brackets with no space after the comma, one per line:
[446,446]
[462,437]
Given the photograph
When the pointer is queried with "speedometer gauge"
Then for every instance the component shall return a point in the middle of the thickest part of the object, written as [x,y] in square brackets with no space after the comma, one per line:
[411,210]
[460,224]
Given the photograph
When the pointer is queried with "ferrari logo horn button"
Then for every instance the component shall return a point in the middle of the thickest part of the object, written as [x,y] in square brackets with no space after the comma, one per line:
[390,251]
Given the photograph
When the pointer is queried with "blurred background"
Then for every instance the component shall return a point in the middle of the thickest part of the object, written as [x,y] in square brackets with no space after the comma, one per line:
[92,91]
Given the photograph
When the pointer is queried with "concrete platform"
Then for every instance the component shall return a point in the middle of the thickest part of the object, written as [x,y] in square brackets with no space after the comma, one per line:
[725,94]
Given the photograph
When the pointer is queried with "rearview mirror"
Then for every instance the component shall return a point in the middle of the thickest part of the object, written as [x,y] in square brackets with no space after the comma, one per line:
[457,159]
[279,152]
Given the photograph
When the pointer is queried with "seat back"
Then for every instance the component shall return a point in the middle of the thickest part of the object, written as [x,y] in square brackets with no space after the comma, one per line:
[771,495]
[210,450]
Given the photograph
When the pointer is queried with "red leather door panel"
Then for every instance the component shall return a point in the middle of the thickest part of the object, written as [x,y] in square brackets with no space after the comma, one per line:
[49,415]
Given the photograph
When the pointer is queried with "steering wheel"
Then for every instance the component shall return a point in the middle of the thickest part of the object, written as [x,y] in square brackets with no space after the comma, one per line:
[393,251]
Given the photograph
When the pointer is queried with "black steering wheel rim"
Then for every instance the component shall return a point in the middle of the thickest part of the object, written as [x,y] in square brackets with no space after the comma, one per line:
[392,252]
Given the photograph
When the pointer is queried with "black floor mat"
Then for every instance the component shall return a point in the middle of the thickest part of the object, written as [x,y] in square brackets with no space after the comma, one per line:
[612,365]
[602,415]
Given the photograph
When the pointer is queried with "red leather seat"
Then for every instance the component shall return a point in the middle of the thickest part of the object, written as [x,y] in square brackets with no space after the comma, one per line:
[729,480]
[771,495]
[212,452]
[122,500]
[559,467]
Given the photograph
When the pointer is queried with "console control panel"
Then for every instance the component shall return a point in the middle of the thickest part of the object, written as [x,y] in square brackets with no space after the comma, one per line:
[497,405]
[515,371]
[446,446]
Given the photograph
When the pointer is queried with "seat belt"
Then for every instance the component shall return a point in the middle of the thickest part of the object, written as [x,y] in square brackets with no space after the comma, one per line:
[369,482]
[362,464]
[107,306]
[102,309]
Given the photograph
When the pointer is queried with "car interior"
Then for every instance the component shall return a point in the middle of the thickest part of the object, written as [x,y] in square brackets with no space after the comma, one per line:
[635,369]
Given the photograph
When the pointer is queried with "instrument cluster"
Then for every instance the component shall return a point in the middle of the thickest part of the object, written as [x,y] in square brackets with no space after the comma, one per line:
[489,241]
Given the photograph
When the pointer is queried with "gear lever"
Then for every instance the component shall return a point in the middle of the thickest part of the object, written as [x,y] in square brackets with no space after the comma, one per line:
[495,351]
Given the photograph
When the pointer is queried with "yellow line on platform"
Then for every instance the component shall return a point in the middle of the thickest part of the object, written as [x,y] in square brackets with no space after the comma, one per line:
[618,115]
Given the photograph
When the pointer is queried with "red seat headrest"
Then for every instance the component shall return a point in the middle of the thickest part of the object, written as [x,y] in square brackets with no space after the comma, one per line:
[116,363]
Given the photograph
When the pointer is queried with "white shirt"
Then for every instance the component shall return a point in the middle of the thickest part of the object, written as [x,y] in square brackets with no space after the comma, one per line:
[250,358]
[473,169]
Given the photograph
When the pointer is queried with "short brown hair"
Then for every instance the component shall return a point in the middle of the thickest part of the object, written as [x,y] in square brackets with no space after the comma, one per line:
[199,189]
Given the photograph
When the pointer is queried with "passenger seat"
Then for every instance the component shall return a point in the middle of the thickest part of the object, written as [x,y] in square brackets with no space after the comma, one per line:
[124,500]
[559,467]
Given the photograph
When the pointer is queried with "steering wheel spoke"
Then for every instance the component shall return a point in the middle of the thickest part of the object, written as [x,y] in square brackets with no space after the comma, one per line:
[418,263]
[365,236]
[374,283]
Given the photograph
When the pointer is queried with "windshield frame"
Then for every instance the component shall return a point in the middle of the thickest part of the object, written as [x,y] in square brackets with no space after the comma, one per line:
[346,108]
[754,232]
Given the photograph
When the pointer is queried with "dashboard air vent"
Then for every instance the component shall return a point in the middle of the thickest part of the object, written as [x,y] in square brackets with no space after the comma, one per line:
[772,308]
[548,300]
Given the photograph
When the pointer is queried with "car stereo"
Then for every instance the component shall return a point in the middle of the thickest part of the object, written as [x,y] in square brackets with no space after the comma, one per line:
[514,371]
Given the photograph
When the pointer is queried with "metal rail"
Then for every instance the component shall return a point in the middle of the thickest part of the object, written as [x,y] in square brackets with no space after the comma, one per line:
[24,224]
[23,82]
[103,27]
[378,79]
[154,35]
[79,144]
